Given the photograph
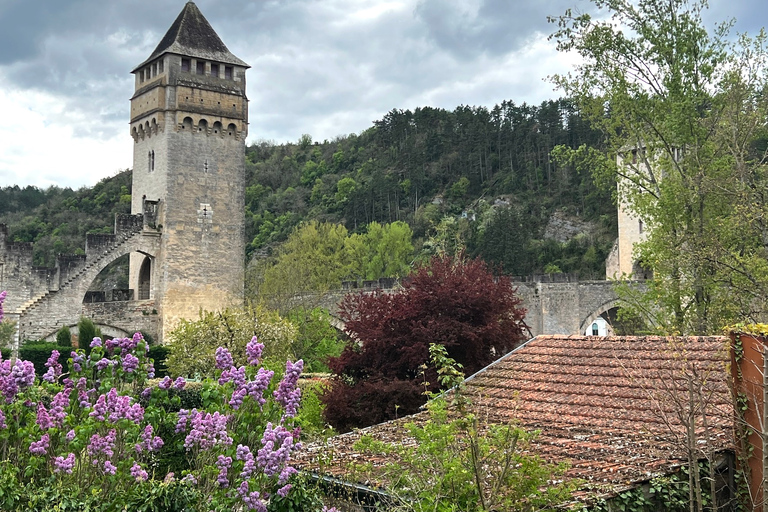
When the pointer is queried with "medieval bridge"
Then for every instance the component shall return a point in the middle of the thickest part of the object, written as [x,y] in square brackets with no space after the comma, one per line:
[556,303]
[42,300]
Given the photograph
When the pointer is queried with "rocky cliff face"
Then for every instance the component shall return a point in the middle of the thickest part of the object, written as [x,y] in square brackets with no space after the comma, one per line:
[563,226]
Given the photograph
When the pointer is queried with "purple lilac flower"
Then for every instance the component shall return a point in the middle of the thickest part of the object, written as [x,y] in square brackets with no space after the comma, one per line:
[190,479]
[277,445]
[207,430]
[286,474]
[23,373]
[181,422]
[62,464]
[238,376]
[59,405]
[8,386]
[40,447]
[283,491]
[54,368]
[117,407]
[3,294]
[77,361]
[111,345]
[109,467]
[251,499]
[99,444]
[150,443]
[223,359]
[103,363]
[151,371]
[332,509]
[96,342]
[237,398]
[259,385]
[146,393]
[223,463]
[71,435]
[138,473]
[288,394]
[130,363]
[179,383]
[253,351]
[43,419]
[225,377]
[165,383]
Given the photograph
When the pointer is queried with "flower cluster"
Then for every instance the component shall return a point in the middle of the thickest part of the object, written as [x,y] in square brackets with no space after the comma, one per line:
[102,445]
[253,351]
[64,464]
[138,473]
[54,367]
[40,447]
[149,441]
[277,445]
[207,430]
[116,407]
[95,428]
[223,359]
[288,393]
[252,499]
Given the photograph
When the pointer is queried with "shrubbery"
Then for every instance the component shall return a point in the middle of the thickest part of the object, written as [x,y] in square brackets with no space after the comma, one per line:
[104,438]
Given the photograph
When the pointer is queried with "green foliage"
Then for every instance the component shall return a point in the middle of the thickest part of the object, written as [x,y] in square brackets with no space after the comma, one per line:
[192,343]
[460,465]
[64,337]
[39,353]
[57,219]
[159,354]
[310,417]
[7,331]
[86,331]
[318,256]
[682,109]
[316,340]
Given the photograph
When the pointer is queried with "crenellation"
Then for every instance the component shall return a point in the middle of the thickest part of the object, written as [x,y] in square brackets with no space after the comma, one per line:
[97,244]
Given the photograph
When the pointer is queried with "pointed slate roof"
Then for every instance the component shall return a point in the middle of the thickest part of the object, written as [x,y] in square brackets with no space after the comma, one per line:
[192,36]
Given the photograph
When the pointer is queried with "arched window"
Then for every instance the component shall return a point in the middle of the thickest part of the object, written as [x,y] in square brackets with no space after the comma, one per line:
[595,329]
[202,125]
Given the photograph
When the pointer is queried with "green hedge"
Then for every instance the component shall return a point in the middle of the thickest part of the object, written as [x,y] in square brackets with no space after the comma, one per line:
[39,353]
[159,353]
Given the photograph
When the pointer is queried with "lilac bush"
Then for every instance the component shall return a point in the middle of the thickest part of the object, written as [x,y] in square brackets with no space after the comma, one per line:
[100,424]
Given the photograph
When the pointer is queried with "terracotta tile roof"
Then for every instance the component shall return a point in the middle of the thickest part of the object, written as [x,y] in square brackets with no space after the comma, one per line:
[604,404]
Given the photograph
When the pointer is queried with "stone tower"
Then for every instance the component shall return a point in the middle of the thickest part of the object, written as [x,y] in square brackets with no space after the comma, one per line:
[189,121]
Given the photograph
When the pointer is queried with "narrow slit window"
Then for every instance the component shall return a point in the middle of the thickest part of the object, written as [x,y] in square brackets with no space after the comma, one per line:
[200,67]
[160,66]
[185,64]
[228,72]
[215,70]
[640,226]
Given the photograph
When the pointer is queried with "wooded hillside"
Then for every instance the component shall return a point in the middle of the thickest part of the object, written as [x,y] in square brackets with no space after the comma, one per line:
[473,177]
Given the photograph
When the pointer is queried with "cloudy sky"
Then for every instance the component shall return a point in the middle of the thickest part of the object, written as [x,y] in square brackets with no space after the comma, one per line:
[322,67]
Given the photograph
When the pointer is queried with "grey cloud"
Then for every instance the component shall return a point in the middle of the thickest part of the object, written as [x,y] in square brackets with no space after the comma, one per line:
[488,26]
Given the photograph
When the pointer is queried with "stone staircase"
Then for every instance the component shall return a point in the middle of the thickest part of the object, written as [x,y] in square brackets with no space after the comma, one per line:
[104,251]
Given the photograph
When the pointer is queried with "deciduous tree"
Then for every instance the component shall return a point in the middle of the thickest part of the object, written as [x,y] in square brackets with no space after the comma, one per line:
[684,108]
[454,302]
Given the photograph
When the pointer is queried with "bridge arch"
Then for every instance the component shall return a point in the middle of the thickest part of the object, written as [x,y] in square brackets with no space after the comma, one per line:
[599,312]
[66,303]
